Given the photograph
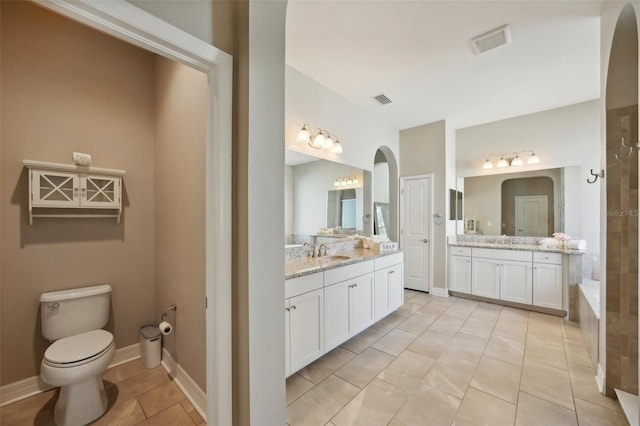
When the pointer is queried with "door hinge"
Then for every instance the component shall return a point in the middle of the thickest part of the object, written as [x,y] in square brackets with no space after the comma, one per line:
[206,303]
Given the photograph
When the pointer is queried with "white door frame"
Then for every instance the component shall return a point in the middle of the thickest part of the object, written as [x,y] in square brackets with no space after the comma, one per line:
[401,220]
[126,22]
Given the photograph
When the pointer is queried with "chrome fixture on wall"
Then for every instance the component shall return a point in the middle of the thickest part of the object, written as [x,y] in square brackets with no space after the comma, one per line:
[320,139]
[625,128]
[512,159]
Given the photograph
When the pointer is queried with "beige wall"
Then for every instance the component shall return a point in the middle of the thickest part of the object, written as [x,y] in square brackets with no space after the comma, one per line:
[99,100]
[181,114]
[422,151]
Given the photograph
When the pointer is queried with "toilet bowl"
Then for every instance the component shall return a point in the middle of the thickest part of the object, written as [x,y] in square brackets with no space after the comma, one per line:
[80,353]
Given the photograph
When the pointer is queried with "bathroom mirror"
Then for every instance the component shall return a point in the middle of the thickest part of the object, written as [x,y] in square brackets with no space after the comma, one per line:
[531,203]
[313,201]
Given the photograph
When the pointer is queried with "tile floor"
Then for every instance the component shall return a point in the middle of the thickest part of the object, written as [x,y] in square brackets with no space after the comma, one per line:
[452,361]
[137,396]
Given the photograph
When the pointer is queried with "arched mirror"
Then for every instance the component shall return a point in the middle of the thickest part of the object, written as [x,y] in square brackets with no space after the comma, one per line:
[385,194]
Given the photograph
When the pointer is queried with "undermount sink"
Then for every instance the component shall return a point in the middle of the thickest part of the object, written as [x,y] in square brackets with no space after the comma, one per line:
[335,257]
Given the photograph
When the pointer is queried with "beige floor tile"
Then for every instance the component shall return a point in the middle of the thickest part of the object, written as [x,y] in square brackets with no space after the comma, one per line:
[484,313]
[512,329]
[394,342]
[534,411]
[389,322]
[545,330]
[408,309]
[37,409]
[427,406]
[416,324]
[498,378]
[545,352]
[539,316]
[407,370]
[458,310]
[172,416]
[430,344]
[122,371]
[577,353]
[448,301]
[514,314]
[124,413]
[595,415]
[364,367]
[160,398]
[432,309]
[466,346]
[421,299]
[546,382]
[296,387]
[479,408]
[505,349]
[321,403]
[584,386]
[409,294]
[326,365]
[451,375]
[363,340]
[571,331]
[192,412]
[478,327]
[140,383]
[376,404]
[448,326]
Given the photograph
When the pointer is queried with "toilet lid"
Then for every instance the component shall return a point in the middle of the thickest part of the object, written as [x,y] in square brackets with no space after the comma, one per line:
[77,348]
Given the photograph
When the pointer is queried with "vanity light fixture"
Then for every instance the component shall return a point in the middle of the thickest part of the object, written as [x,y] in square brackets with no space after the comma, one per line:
[514,160]
[348,180]
[320,139]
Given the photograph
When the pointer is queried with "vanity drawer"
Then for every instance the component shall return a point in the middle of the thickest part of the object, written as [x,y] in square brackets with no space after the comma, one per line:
[342,273]
[460,251]
[386,261]
[541,257]
[517,255]
[304,284]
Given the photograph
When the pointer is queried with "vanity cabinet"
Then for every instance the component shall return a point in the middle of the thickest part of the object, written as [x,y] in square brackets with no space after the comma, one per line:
[460,270]
[348,305]
[547,280]
[304,321]
[61,186]
[388,285]
[502,274]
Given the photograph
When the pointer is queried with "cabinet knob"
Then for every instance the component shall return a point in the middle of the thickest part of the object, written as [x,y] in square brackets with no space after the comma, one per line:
[392,272]
[293,306]
[287,309]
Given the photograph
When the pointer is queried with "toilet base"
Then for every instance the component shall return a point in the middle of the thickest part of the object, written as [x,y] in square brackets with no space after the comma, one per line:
[81,403]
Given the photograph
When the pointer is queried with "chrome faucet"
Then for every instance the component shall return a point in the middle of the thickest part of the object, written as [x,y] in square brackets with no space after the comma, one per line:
[311,252]
[320,251]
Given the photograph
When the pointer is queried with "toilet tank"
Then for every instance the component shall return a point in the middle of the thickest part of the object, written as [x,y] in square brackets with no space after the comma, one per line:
[77,310]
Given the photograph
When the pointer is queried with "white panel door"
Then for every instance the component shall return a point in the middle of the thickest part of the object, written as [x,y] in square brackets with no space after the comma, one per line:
[485,278]
[532,216]
[516,282]
[306,328]
[415,228]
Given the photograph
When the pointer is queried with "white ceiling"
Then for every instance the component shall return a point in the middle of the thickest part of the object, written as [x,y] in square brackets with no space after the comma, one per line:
[419,54]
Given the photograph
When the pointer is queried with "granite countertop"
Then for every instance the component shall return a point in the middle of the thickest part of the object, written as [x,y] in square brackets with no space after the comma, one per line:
[311,265]
[527,247]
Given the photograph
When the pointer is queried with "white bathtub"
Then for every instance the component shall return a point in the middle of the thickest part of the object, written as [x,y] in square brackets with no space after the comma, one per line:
[589,315]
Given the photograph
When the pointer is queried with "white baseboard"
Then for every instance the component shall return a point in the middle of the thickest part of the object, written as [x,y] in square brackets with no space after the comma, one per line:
[440,292]
[14,392]
[190,388]
[600,379]
[629,403]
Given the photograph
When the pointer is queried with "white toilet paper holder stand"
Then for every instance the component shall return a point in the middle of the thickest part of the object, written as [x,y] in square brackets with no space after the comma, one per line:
[166,311]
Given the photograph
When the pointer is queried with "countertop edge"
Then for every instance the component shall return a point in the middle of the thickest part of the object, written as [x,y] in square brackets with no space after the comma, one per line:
[371,255]
[519,247]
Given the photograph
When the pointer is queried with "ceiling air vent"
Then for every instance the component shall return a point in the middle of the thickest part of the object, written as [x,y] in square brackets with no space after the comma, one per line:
[491,39]
[382,99]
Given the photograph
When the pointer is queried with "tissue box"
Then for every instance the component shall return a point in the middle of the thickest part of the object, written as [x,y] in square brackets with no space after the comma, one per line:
[388,246]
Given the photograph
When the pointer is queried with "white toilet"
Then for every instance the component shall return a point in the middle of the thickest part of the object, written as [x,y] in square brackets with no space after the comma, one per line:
[80,353]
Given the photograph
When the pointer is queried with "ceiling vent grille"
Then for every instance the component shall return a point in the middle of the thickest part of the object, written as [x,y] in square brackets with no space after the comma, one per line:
[382,99]
[491,39]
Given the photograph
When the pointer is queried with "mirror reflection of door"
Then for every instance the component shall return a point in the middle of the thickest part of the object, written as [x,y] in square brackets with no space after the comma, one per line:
[341,208]
[532,217]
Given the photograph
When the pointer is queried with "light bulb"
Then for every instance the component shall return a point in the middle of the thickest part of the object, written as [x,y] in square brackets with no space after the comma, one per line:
[502,162]
[533,159]
[336,182]
[318,141]
[487,164]
[328,142]
[517,161]
[337,147]
[303,135]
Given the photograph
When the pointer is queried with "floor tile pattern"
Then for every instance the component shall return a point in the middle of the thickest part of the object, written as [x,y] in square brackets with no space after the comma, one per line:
[452,361]
[137,396]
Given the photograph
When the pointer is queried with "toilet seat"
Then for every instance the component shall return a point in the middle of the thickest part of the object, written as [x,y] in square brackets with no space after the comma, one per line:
[77,350]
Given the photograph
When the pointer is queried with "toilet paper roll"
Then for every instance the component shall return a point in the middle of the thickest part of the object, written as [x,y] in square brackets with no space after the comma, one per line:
[165,328]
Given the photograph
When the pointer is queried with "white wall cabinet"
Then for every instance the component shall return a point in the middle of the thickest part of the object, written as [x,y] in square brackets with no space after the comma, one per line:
[306,329]
[62,186]
[547,280]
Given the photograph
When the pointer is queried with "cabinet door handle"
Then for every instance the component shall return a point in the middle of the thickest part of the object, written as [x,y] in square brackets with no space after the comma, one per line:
[424,240]
[392,272]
